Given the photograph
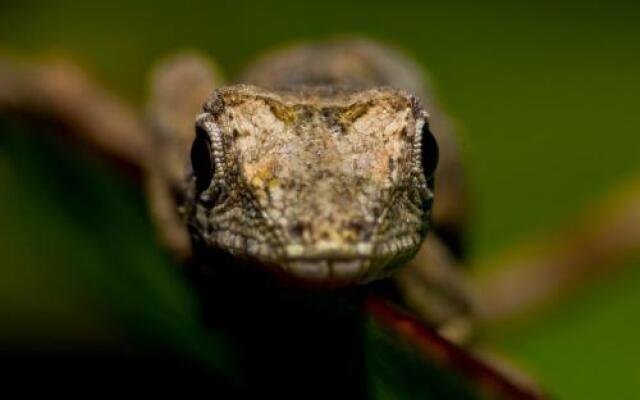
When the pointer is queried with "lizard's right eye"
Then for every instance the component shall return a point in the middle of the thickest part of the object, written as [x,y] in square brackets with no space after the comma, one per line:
[201,161]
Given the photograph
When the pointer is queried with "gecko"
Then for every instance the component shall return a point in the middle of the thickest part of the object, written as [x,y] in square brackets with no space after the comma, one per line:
[320,166]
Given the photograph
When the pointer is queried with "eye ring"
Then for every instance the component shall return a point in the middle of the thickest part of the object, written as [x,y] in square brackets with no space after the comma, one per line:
[202,162]
[429,152]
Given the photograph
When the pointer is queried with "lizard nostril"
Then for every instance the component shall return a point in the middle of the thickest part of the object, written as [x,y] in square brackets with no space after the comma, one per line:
[296,230]
[356,226]
[361,230]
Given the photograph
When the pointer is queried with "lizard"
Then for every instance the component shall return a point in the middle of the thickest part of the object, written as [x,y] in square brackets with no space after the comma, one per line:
[321,166]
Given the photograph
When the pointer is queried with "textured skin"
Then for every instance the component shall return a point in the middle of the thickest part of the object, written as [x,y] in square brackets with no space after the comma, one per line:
[324,183]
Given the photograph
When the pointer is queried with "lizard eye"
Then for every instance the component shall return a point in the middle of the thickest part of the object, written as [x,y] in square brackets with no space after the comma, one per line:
[429,152]
[201,161]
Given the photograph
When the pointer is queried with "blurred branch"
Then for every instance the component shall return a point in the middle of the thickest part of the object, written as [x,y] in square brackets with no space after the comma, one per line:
[496,384]
[535,272]
[62,94]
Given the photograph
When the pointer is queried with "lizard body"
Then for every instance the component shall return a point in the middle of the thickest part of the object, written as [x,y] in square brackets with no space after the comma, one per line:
[318,165]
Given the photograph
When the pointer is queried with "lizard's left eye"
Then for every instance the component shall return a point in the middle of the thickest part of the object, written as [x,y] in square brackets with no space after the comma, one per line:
[429,157]
[201,161]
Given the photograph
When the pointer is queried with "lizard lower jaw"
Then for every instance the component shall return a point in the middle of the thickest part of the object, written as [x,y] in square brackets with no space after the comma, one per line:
[328,270]
[328,261]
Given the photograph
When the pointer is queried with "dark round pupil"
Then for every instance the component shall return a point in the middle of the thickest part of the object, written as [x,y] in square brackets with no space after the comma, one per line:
[201,161]
[429,152]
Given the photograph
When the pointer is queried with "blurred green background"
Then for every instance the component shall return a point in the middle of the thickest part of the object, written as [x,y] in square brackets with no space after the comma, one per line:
[546,95]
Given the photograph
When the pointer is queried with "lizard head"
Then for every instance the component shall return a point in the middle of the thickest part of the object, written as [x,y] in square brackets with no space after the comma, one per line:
[328,186]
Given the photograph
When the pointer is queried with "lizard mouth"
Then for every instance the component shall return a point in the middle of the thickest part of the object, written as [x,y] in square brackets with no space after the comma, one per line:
[341,263]
[323,263]
[328,261]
